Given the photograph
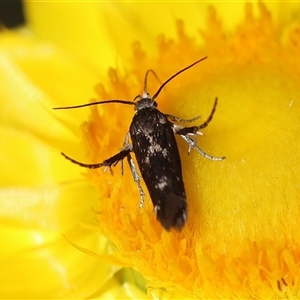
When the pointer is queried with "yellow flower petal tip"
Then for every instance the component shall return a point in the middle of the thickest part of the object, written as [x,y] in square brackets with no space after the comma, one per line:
[242,235]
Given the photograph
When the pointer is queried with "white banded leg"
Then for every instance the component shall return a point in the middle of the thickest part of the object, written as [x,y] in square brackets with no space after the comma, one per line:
[193,144]
[136,178]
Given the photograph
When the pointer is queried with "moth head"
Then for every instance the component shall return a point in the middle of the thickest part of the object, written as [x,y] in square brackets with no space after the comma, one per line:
[144,101]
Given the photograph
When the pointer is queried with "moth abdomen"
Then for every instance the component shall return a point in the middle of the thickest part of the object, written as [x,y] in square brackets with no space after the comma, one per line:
[172,212]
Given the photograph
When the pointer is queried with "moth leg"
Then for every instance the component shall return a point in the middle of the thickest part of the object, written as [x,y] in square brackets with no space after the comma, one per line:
[126,140]
[195,129]
[177,119]
[108,163]
[125,144]
[136,178]
[186,132]
[178,128]
[192,144]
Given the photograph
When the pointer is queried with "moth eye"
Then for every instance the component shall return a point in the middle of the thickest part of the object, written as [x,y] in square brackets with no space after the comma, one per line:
[155,104]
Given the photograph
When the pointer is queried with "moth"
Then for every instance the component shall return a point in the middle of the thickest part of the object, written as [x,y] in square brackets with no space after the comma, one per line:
[151,137]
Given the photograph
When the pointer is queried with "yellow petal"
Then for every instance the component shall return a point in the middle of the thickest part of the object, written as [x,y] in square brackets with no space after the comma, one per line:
[42,198]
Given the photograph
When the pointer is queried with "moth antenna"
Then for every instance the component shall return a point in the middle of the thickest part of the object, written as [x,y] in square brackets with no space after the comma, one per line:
[96,103]
[176,74]
[145,92]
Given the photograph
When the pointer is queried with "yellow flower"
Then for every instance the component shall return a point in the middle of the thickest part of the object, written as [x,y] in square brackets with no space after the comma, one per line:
[241,239]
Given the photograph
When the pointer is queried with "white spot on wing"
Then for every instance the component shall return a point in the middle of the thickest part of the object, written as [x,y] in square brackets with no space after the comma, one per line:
[156,209]
[161,185]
